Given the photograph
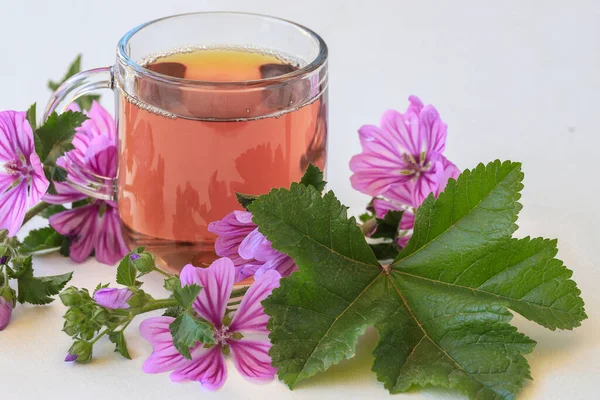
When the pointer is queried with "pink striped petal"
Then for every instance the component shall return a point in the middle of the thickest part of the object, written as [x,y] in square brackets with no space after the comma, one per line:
[23,138]
[100,122]
[217,282]
[65,194]
[13,205]
[281,263]
[8,133]
[207,367]
[416,105]
[404,129]
[110,245]
[39,183]
[449,170]
[250,316]
[7,180]
[252,360]
[402,241]
[402,194]
[80,225]
[382,207]
[165,356]
[113,298]
[101,157]
[408,221]
[433,130]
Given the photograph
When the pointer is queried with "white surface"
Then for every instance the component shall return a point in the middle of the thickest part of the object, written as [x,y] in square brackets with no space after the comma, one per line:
[515,80]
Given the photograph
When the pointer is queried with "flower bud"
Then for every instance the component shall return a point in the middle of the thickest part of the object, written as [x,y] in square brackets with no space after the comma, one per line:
[6,307]
[143,262]
[71,296]
[113,298]
[80,351]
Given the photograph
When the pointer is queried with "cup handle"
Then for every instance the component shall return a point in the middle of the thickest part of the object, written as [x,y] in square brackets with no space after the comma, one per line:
[99,187]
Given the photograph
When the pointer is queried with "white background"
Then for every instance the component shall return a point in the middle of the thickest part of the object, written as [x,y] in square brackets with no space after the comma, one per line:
[516,80]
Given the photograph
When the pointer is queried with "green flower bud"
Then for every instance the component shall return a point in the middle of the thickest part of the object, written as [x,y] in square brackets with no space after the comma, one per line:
[8,294]
[143,262]
[80,352]
[172,283]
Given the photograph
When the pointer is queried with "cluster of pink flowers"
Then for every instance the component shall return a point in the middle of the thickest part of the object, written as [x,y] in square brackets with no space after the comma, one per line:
[402,162]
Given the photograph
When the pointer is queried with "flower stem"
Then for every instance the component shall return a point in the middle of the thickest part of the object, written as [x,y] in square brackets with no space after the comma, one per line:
[157,305]
[5,276]
[104,332]
[160,271]
[35,210]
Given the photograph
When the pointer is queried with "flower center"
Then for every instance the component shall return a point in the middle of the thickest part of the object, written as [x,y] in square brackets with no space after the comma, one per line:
[415,167]
[222,335]
[16,167]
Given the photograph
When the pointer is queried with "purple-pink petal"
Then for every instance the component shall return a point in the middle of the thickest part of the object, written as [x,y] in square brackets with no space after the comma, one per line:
[250,316]
[113,298]
[207,367]
[165,356]
[6,308]
[282,263]
[80,225]
[252,360]
[110,245]
[449,170]
[217,282]
[13,206]
[65,194]
[101,156]
[39,183]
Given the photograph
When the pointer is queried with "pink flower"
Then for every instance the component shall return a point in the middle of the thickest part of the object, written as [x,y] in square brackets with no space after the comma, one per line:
[6,308]
[113,298]
[250,251]
[22,183]
[95,226]
[403,158]
[207,365]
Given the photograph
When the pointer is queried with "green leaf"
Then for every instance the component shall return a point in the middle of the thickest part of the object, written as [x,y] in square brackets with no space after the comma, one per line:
[126,272]
[54,137]
[173,312]
[385,251]
[52,209]
[38,290]
[245,199]
[85,102]
[31,116]
[65,247]
[42,239]
[173,283]
[313,176]
[118,338]
[441,309]
[387,227]
[186,295]
[187,331]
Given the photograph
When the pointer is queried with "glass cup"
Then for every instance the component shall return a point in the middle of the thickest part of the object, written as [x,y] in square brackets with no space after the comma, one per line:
[189,139]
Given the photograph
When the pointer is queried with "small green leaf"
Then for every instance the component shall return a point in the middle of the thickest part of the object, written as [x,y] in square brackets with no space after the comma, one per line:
[126,272]
[38,290]
[245,199]
[65,247]
[186,295]
[118,338]
[42,239]
[187,331]
[56,134]
[388,226]
[52,209]
[313,177]
[385,251]
[173,312]
[31,117]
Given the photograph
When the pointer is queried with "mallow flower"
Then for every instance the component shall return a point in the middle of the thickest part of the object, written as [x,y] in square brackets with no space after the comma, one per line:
[94,226]
[6,308]
[402,158]
[207,365]
[22,181]
[251,252]
[113,298]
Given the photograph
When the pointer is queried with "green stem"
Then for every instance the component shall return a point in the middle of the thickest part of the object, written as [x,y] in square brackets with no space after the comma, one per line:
[160,271]
[5,276]
[157,305]
[104,332]
[35,210]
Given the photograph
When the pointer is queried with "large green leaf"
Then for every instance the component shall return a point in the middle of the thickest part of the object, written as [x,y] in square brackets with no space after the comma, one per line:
[441,309]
